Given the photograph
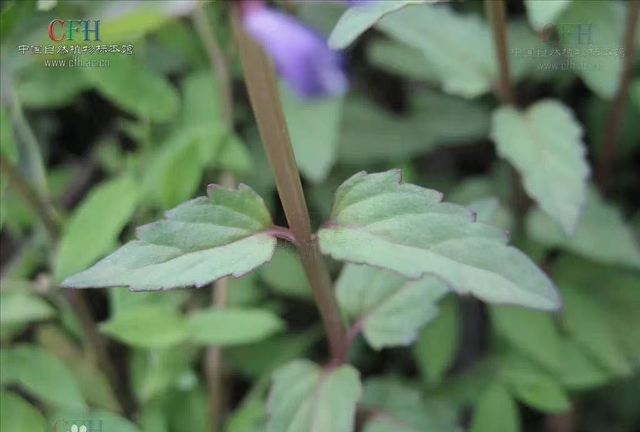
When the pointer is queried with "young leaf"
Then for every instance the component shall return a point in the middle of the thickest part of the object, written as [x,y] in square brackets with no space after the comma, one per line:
[148,326]
[436,348]
[198,242]
[495,411]
[314,126]
[401,408]
[531,332]
[232,326]
[19,415]
[306,398]
[544,144]
[378,220]
[601,235]
[356,20]
[41,375]
[457,46]
[389,308]
[100,217]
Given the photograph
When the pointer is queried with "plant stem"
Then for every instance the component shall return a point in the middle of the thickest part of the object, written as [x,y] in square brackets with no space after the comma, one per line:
[44,211]
[263,93]
[497,16]
[619,102]
[496,13]
[220,69]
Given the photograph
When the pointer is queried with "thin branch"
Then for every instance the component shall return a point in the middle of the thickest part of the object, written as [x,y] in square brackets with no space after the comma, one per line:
[219,67]
[263,93]
[496,13]
[619,102]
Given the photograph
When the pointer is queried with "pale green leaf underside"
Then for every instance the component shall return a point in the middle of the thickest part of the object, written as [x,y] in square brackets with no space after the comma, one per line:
[358,19]
[458,47]
[389,308]
[306,398]
[198,242]
[601,235]
[544,144]
[378,220]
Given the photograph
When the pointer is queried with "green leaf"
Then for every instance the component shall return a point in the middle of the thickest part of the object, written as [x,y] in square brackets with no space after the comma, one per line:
[187,410]
[389,308]
[100,217]
[400,59]
[133,87]
[358,19]
[531,332]
[601,235]
[313,126]
[544,144]
[307,398]
[534,386]
[579,371]
[544,12]
[21,308]
[457,46]
[378,220]
[232,326]
[601,28]
[438,343]
[586,323]
[495,411]
[54,87]
[285,274]
[400,408]
[198,242]
[368,129]
[41,375]
[19,415]
[148,326]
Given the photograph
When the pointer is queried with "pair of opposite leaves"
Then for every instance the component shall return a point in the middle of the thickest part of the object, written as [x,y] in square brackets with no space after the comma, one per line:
[375,220]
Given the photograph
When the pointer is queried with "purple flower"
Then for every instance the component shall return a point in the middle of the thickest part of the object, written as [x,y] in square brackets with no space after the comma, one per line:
[301,56]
